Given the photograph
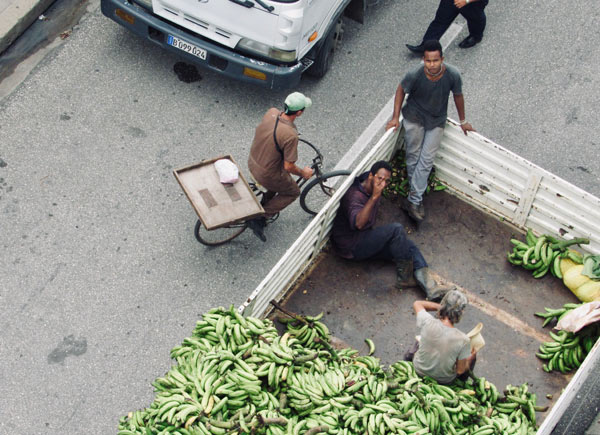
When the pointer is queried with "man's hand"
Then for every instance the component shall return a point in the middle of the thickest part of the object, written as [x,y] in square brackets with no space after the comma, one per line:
[307,172]
[467,127]
[394,123]
[460,3]
[378,187]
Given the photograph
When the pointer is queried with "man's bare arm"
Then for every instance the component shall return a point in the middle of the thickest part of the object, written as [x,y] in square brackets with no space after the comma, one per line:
[425,305]
[307,172]
[459,101]
[398,100]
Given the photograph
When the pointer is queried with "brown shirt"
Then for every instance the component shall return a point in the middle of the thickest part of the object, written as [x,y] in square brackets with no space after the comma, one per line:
[265,161]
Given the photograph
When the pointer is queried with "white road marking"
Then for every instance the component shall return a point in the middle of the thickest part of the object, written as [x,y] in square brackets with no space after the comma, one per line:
[508,319]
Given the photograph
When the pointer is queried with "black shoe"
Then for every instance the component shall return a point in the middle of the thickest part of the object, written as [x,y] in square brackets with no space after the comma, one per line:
[257,226]
[412,210]
[418,49]
[469,41]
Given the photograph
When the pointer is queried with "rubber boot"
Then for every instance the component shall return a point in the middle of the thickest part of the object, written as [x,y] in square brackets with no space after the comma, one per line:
[434,291]
[404,274]
[415,212]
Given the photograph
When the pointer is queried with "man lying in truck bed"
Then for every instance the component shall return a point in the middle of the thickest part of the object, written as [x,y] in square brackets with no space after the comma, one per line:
[355,236]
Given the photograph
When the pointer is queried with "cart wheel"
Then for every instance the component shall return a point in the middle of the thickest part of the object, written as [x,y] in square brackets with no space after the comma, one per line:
[318,191]
[218,236]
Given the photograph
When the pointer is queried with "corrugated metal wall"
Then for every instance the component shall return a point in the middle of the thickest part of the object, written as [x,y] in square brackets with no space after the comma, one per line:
[502,183]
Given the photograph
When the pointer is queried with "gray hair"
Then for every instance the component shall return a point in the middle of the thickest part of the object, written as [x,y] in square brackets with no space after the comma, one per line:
[452,306]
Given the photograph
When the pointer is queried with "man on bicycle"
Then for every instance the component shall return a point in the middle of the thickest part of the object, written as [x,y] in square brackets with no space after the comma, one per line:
[272,160]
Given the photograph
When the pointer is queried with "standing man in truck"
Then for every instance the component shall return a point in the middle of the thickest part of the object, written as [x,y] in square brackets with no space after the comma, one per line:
[272,160]
[428,87]
[443,352]
[355,236]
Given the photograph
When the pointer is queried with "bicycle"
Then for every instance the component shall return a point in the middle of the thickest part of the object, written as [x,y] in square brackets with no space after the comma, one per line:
[311,201]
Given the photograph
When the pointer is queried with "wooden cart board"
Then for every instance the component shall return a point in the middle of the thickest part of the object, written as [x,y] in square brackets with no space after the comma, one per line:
[217,204]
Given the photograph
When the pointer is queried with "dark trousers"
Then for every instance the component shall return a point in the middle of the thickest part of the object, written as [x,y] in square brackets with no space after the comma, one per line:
[446,13]
[388,242]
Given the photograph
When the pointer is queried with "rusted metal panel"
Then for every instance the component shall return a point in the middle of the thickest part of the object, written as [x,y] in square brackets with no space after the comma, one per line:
[503,183]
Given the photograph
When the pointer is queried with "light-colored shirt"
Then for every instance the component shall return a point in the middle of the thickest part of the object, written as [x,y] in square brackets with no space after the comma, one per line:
[439,349]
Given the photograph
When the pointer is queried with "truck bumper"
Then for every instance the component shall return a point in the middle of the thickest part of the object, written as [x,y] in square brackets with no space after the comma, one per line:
[218,58]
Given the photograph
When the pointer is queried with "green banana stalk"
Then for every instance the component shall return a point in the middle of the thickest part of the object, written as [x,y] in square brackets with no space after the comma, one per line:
[238,375]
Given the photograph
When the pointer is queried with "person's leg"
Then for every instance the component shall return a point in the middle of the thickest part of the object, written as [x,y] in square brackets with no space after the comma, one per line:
[389,242]
[286,192]
[267,196]
[465,375]
[474,13]
[419,261]
[413,139]
[376,243]
[410,354]
[418,181]
[444,16]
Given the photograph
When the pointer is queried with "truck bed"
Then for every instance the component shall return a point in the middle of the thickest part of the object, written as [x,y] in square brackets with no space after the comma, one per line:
[466,247]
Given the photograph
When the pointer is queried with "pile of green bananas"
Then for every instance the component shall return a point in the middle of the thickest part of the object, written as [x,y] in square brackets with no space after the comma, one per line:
[237,375]
[567,350]
[398,185]
[544,253]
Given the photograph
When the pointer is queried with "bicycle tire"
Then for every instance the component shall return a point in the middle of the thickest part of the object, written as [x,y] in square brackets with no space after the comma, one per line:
[217,236]
[312,200]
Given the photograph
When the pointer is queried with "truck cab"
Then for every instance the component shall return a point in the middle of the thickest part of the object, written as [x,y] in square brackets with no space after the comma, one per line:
[267,42]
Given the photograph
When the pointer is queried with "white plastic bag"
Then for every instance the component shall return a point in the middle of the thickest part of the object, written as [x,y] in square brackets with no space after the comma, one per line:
[227,170]
[580,317]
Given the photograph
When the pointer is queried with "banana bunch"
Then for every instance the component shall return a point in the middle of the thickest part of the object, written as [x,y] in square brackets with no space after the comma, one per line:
[310,332]
[237,375]
[568,350]
[556,314]
[543,254]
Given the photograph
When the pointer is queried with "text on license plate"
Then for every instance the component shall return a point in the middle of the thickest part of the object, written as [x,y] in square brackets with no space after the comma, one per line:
[186,46]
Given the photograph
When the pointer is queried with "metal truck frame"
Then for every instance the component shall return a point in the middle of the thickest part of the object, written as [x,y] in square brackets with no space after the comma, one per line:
[490,178]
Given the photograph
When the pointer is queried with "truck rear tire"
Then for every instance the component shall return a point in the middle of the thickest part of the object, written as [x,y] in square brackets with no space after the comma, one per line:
[324,56]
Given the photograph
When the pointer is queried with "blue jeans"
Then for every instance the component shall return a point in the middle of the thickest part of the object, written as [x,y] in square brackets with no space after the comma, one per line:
[388,242]
[421,147]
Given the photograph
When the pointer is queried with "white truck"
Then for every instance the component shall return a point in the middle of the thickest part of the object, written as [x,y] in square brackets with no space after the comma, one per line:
[266,42]
[492,195]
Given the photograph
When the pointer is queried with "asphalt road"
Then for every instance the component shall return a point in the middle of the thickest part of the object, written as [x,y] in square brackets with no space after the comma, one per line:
[101,274]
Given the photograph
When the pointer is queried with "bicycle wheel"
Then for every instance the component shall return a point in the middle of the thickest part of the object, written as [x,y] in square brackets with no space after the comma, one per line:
[318,191]
[217,236]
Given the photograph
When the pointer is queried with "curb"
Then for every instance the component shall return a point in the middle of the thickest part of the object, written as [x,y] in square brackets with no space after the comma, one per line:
[17,17]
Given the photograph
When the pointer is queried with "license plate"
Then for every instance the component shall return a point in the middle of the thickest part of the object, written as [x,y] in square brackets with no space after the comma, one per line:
[186,46]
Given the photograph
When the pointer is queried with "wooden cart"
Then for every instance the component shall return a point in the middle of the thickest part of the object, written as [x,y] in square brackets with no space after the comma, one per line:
[223,207]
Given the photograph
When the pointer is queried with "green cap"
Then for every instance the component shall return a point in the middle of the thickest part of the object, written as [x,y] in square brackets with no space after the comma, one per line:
[297,101]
